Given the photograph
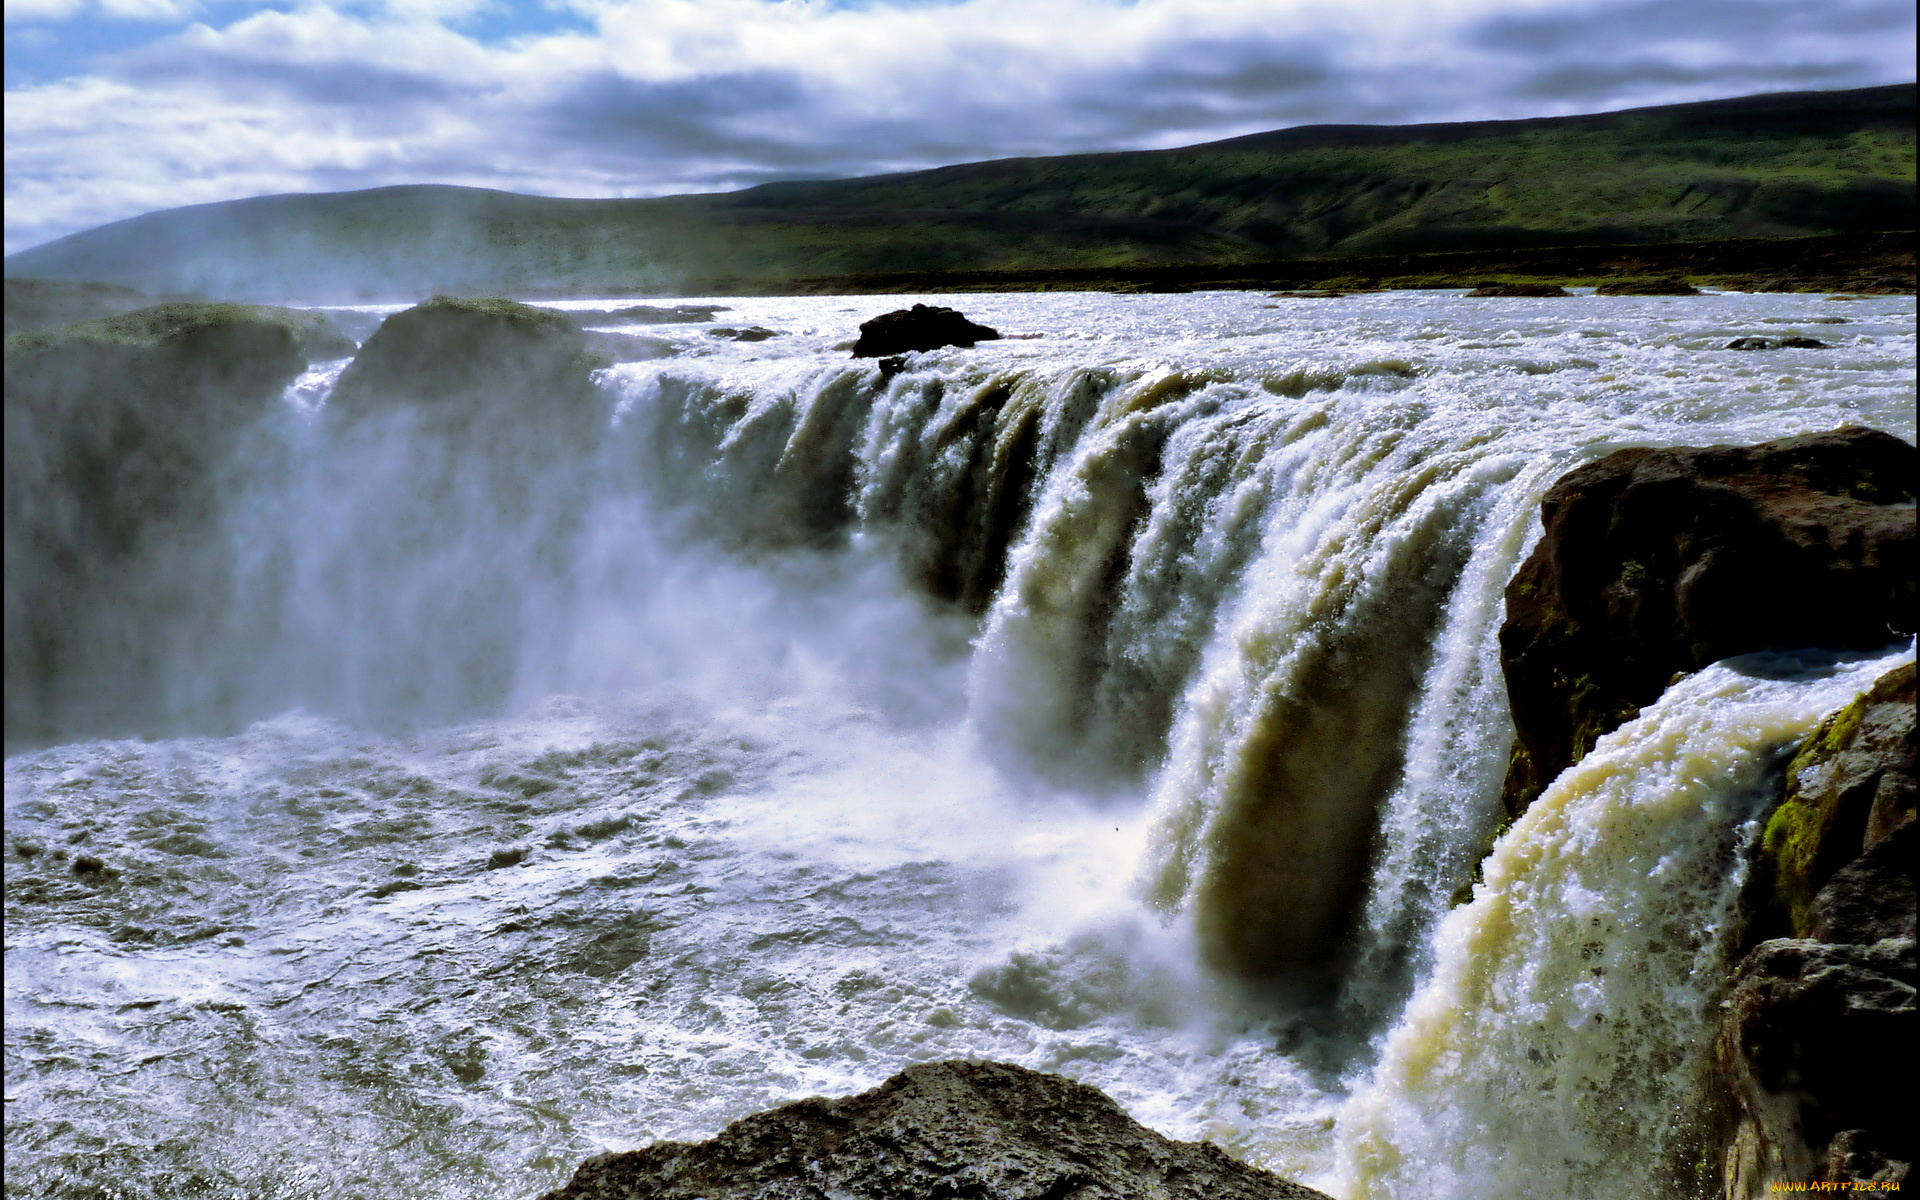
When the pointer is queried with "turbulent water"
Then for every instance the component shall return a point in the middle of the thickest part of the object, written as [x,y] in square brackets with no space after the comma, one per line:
[1119,699]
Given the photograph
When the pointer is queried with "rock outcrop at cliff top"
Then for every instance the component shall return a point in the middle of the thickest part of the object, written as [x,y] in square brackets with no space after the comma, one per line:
[471,356]
[986,1131]
[1820,1024]
[1658,562]
[922,327]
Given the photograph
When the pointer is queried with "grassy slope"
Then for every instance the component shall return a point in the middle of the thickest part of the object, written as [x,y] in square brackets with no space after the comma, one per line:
[1756,167]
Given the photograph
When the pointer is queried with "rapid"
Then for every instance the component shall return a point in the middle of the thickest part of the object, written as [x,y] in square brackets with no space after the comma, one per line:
[1121,698]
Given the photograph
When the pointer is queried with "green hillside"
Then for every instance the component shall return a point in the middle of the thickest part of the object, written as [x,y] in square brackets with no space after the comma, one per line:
[1757,167]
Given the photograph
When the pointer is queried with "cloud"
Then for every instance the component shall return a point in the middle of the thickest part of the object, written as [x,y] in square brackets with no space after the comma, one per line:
[122,10]
[42,10]
[647,97]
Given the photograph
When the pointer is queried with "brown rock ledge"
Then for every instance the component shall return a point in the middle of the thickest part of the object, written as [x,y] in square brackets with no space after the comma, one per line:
[936,1131]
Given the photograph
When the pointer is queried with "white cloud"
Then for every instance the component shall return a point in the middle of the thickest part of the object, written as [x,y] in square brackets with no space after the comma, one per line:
[149,10]
[656,96]
[42,10]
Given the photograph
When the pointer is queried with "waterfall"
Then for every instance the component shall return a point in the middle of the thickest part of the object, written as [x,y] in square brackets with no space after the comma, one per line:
[1559,1048]
[1205,606]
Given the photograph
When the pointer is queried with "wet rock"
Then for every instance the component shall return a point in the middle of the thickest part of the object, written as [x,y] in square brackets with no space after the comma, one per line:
[1815,1043]
[987,1131]
[922,327]
[1520,290]
[1671,285]
[1779,343]
[752,333]
[1836,853]
[1658,562]
[1816,1015]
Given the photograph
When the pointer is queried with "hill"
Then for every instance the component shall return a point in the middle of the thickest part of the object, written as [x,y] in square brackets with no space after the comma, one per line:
[1768,166]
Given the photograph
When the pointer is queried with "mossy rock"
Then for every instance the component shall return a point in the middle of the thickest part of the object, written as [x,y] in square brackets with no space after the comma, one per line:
[1849,787]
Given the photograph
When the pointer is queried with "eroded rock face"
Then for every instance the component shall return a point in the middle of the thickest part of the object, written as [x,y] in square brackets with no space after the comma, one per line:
[936,1131]
[1657,562]
[1820,1028]
[922,327]
[1817,1044]
[118,434]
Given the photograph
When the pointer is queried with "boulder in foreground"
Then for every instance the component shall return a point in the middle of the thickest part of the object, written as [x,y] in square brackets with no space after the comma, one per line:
[936,1131]
[1655,562]
[922,327]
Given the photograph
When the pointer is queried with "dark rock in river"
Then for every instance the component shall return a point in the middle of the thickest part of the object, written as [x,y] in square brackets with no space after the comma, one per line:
[1521,290]
[751,333]
[1658,562]
[1672,285]
[119,435]
[922,327]
[1779,343]
[937,1131]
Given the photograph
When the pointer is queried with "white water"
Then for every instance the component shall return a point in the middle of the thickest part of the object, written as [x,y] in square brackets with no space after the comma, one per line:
[730,770]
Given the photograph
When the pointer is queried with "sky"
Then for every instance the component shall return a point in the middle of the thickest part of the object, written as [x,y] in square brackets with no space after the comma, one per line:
[119,107]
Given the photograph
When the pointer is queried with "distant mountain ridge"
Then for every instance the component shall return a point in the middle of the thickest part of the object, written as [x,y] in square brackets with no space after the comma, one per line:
[1759,166]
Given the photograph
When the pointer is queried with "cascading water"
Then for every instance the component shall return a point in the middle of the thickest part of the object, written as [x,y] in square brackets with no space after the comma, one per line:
[1560,1046]
[1121,699]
